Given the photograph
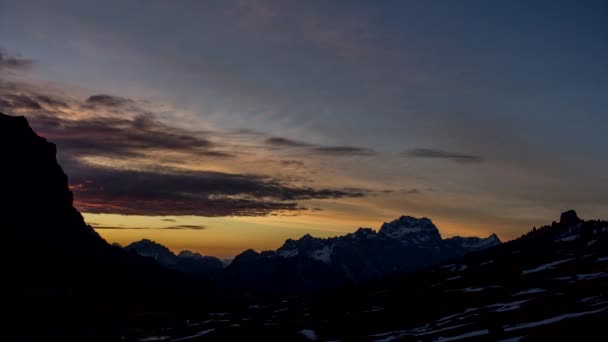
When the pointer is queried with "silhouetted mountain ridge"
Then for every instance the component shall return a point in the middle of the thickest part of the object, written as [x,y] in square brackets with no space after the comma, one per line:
[186,261]
[403,245]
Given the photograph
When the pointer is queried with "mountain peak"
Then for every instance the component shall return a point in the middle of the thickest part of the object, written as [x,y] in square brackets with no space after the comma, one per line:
[411,230]
[152,249]
[190,255]
[569,218]
[494,237]
[473,243]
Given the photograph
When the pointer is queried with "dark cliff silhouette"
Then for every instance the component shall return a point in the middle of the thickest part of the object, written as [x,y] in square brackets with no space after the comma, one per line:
[62,279]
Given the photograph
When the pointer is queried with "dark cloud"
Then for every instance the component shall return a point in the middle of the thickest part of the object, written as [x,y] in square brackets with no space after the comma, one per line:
[344,151]
[412,191]
[107,100]
[322,150]
[284,142]
[180,227]
[8,62]
[441,154]
[118,137]
[101,190]
[158,190]
[291,163]
[186,226]
[10,102]
[51,101]
[15,97]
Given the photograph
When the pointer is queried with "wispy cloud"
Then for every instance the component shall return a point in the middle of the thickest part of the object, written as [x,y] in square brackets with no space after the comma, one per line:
[120,129]
[336,151]
[186,226]
[284,142]
[178,227]
[109,136]
[441,154]
[107,100]
[344,151]
[11,62]
[103,190]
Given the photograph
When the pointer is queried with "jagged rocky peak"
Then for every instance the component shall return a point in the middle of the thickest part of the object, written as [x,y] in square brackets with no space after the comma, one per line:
[569,218]
[152,249]
[307,246]
[364,233]
[411,230]
[246,257]
[474,243]
[190,255]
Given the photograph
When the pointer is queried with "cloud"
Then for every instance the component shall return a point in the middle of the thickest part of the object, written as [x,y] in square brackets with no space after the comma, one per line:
[441,154]
[412,191]
[179,227]
[344,151]
[321,150]
[186,226]
[107,100]
[51,101]
[8,62]
[297,163]
[103,190]
[18,102]
[118,137]
[284,142]
[21,98]
[118,129]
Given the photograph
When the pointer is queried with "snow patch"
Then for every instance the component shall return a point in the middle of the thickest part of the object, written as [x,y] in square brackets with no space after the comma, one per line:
[309,334]
[530,291]
[289,253]
[546,266]
[323,254]
[569,238]
[502,307]
[513,339]
[198,334]
[154,338]
[462,336]
[589,276]
[508,328]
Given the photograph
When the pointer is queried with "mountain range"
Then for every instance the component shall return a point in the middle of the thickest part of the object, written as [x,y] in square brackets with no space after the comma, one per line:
[404,245]
[185,261]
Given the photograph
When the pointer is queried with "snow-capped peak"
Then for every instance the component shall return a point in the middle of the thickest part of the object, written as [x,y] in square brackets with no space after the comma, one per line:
[315,248]
[474,243]
[411,230]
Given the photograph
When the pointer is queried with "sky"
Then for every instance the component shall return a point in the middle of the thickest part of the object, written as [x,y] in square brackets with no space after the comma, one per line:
[218,126]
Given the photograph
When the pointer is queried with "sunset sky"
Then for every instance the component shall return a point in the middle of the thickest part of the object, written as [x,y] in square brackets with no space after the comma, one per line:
[218,126]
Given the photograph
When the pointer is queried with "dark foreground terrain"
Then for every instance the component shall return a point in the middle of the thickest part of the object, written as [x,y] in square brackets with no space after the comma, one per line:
[549,285]
[62,282]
